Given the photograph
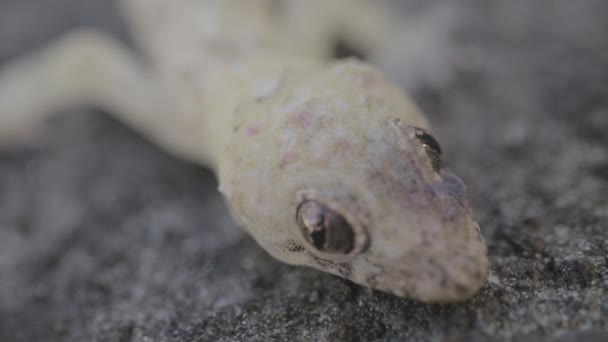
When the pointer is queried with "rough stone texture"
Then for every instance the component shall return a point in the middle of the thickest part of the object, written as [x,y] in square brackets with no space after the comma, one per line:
[104,237]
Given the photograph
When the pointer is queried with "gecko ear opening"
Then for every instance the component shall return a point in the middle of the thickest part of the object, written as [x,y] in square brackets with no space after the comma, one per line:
[325,229]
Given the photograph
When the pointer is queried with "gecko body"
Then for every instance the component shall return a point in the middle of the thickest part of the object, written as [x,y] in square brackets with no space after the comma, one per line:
[326,163]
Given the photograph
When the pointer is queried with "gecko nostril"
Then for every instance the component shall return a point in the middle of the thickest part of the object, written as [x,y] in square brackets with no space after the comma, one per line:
[318,238]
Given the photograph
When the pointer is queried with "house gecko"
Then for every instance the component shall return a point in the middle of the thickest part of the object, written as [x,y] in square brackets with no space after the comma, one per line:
[326,163]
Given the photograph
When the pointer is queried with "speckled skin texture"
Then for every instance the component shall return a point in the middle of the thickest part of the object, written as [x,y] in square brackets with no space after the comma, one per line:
[228,86]
[348,145]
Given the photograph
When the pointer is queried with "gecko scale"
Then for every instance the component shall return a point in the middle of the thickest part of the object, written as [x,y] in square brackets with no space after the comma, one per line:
[325,163]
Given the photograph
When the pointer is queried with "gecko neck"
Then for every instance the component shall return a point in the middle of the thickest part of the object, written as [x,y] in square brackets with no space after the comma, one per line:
[236,89]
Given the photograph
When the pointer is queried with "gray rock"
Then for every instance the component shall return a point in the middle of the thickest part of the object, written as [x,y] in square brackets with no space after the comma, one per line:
[105,237]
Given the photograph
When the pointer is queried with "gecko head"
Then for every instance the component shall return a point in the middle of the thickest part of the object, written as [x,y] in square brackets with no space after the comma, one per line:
[358,188]
[400,223]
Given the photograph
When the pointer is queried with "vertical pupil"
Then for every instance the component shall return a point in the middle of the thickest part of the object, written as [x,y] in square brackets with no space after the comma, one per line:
[324,229]
[318,238]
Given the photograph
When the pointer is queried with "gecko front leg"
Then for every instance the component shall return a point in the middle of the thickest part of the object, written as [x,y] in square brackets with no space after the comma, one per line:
[327,164]
[89,68]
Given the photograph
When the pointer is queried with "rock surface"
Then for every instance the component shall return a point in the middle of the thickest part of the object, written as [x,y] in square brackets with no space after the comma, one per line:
[104,237]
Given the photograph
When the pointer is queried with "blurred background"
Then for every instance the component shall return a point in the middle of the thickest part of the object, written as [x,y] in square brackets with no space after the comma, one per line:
[105,237]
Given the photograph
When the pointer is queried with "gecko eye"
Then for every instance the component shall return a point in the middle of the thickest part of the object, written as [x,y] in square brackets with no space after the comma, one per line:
[431,146]
[325,229]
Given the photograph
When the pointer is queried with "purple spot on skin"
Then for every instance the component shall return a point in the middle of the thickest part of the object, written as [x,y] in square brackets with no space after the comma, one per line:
[302,120]
[288,158]
[343,147]
[418,200]
[253,130]
[451,186]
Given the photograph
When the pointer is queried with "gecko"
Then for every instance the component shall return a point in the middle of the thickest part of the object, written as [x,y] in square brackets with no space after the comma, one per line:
[326,162]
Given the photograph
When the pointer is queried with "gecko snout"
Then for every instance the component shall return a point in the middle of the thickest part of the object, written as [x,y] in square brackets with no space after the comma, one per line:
[448,265]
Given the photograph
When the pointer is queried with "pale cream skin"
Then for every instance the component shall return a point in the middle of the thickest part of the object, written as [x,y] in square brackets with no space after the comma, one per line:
[246,88]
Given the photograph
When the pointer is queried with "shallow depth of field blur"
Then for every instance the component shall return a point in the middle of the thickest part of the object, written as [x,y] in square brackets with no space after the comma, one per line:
[105,237]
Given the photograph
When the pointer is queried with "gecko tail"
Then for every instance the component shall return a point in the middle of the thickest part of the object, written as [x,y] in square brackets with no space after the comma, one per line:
[37,86]
[21,112]
[83,68]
